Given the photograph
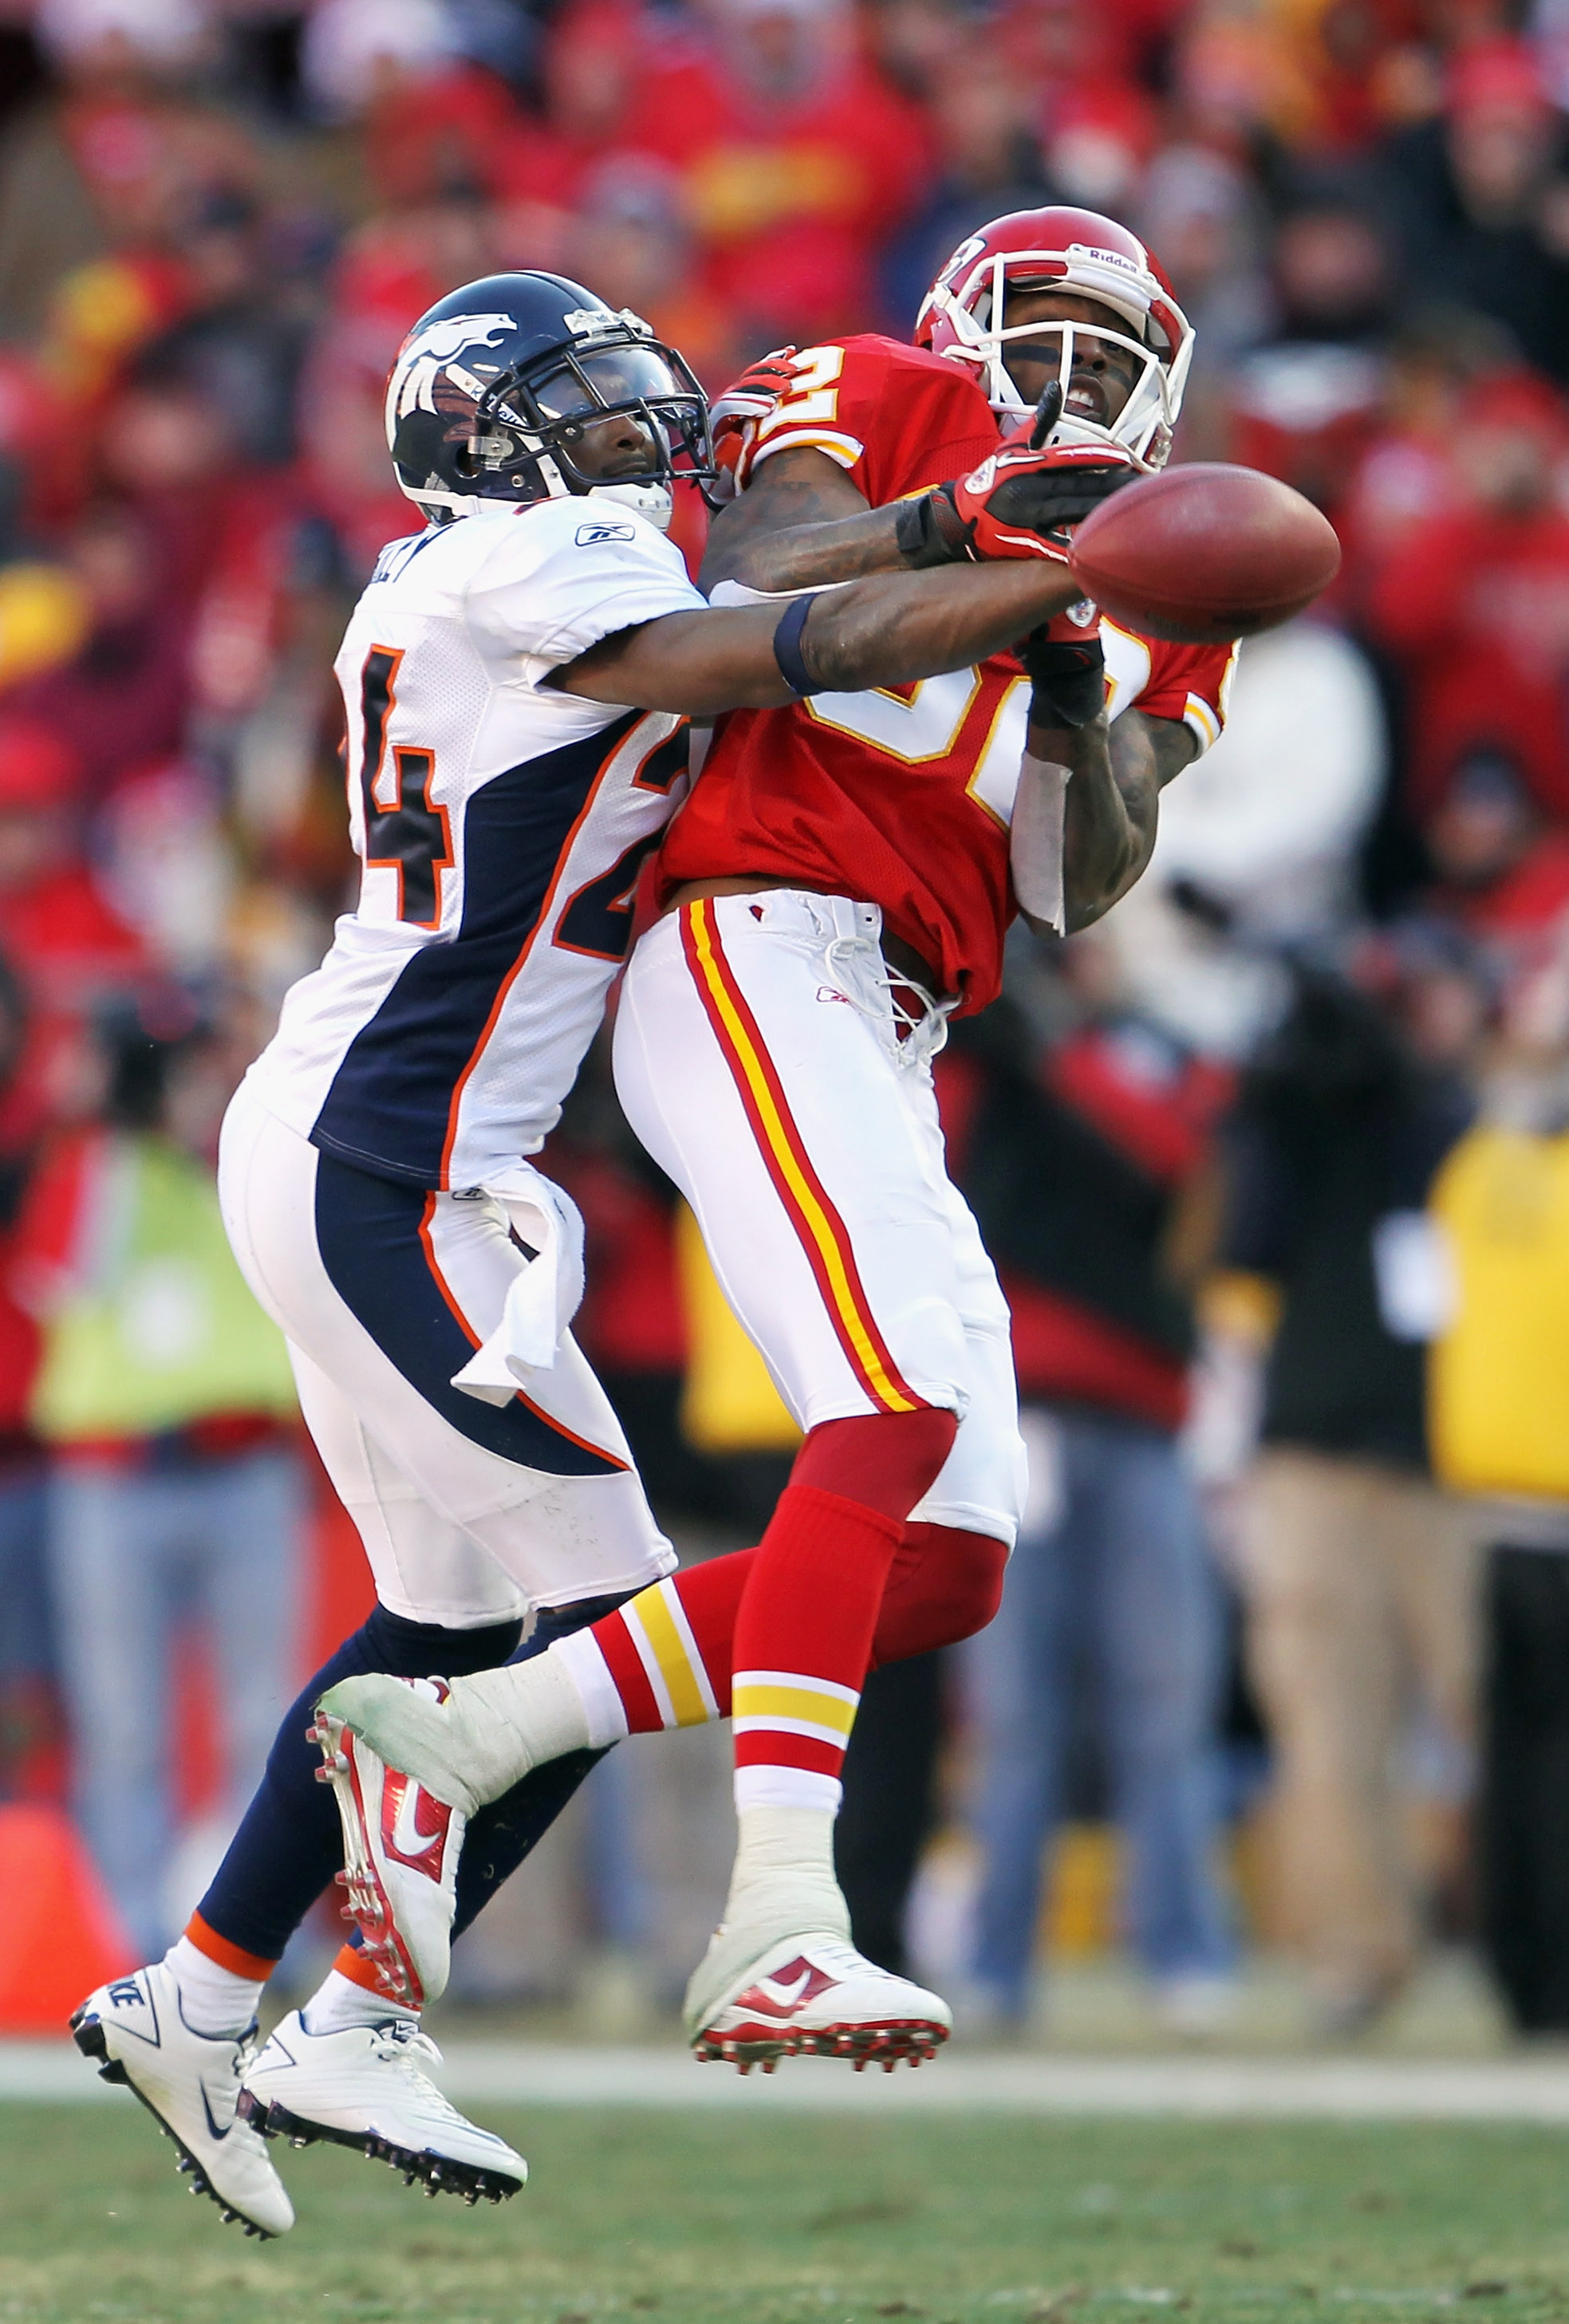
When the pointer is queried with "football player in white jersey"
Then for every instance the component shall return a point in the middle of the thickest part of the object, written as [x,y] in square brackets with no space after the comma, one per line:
[515,678]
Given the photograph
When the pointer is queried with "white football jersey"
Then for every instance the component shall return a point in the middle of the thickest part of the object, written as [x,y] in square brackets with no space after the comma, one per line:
[501,825]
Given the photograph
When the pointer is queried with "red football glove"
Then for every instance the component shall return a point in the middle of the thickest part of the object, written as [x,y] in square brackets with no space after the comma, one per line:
[1019,502]
[736,415]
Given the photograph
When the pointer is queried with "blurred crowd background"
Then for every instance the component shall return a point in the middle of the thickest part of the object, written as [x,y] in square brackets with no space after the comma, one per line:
[1275,1162]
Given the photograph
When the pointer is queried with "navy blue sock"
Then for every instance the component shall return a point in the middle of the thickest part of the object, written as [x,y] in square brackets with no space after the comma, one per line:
[289,1843]
[502,1834]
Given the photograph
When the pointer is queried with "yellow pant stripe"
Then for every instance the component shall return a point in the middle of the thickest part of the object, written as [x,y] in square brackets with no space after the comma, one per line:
[782,1145]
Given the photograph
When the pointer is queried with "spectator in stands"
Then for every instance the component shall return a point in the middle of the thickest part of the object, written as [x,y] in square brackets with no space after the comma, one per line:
[1500,1434]
[411,120]
[125,694]
[67,944]
[798,162]
[1077,1158]
[1204,214]
[166,1398]
[1305,405]
[1503,870]
[1408,472]
[1475,195]
[988,162]
[119,154]
[1259,841]
[1473,606]
[631,242]
[1356,1570]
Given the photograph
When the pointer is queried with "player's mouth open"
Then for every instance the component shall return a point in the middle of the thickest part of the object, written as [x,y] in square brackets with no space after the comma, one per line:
[1087,398]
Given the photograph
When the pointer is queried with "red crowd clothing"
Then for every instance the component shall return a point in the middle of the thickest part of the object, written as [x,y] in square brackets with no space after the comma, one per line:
[1476,606]
[795,794]
[789,201]
[67,947]
[1518,916]
[633,1318]
[1157,1109]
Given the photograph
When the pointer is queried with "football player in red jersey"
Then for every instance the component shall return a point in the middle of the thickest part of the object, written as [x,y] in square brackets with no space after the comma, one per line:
[837,885]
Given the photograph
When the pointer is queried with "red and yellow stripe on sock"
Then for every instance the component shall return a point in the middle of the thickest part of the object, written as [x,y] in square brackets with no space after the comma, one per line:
[791,1731]
[818,1226]
[655,1662]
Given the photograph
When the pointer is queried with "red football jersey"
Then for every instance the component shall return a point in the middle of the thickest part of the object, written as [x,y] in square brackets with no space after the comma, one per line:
[902,797]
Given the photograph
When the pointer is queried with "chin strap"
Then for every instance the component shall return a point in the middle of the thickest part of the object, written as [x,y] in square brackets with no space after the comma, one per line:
[654,502]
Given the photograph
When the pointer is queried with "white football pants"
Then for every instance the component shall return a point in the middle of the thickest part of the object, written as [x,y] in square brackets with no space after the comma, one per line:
[758,1057]
[471,1512]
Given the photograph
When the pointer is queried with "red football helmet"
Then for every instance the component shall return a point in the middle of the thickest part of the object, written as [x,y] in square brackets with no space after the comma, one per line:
[1063,249]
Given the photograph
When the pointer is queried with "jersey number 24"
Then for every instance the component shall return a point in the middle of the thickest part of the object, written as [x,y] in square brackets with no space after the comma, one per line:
[403,830]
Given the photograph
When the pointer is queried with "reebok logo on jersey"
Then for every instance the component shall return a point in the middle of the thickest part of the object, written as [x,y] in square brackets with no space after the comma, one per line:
[588,534]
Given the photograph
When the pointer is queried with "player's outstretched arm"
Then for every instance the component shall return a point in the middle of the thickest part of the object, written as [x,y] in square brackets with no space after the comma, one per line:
[889,628]
[808,526]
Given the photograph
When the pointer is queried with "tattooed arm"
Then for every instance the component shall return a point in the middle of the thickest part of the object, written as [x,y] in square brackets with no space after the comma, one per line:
[799,524]
[1113,804]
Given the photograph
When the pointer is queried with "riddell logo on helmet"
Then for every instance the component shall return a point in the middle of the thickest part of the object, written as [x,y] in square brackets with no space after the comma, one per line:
[1103,257]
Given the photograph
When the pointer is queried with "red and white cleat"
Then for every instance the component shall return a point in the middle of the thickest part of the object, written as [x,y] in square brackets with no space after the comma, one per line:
[813,1997]
[400,1847]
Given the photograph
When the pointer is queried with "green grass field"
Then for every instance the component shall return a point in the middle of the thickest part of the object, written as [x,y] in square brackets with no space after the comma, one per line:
[659,2218]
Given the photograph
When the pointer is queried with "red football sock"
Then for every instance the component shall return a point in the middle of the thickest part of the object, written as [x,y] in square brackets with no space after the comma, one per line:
[669,1650]
[944,1585]
[803,1633]
[805,1622]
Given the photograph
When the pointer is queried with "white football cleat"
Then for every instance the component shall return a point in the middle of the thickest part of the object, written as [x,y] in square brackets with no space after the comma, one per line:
[447,1732]
[362,2085]
[132,2028]
[400,1850]
[811,1995]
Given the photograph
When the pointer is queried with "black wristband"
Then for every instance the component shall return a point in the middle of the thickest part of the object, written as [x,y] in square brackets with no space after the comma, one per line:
[786,646]
[1068,679]
[923,537]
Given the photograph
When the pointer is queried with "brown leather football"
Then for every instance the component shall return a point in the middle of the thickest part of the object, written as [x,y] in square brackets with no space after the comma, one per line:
[1204,552]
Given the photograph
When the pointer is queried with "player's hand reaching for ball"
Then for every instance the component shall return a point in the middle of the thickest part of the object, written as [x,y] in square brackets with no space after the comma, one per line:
[1019,502]
[735,416]
[1067,670]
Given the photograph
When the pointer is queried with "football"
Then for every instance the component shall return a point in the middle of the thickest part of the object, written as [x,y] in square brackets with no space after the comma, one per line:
[1206,552]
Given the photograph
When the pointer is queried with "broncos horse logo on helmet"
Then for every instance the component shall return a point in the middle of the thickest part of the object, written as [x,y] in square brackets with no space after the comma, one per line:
[1079,251]
[498,382]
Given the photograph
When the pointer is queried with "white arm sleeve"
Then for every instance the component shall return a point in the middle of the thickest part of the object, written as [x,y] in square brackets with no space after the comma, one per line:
[1036,840]
[564,574]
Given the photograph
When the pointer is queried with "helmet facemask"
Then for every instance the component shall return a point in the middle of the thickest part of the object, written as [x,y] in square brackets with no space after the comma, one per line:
[1144,425]
[520,433]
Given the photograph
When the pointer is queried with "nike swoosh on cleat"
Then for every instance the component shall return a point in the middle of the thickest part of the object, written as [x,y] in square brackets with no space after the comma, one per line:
[207,2109]
[778,1995]
[408,1833]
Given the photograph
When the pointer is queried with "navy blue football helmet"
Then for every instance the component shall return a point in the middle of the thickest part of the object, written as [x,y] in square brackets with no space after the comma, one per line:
[495,385]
